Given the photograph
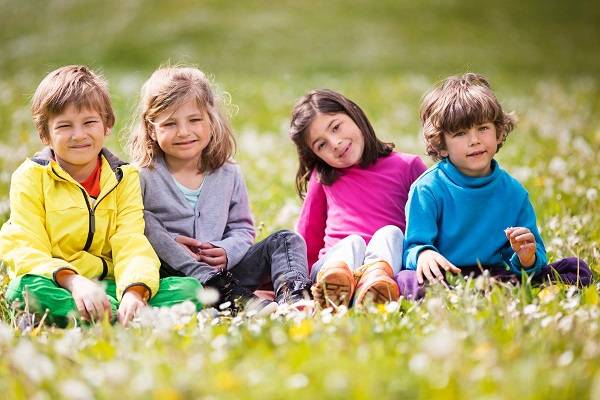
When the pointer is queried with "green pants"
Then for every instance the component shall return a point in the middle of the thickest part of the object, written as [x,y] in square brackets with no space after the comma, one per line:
[44,294]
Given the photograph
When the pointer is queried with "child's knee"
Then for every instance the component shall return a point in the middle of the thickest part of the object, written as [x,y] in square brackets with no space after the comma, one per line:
[391,232]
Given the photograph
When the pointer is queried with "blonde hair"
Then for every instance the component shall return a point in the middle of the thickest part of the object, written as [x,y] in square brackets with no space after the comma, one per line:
[70,85]
[166,89]
[460,102]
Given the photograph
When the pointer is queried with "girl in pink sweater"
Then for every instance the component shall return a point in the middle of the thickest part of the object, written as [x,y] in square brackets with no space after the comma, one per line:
[355,188]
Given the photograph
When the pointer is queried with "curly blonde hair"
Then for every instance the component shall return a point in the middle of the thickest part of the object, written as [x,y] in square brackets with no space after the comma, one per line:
[167,89]
[461,102]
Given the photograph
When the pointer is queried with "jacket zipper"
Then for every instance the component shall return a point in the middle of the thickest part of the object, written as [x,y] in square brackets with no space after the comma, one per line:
[92,217]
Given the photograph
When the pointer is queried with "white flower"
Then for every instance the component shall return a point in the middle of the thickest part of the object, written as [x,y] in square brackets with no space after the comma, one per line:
[6,333]
[208,296]
[297,381]
[75,390]
[591,194]
[565,358]
[34,365]
[419,363]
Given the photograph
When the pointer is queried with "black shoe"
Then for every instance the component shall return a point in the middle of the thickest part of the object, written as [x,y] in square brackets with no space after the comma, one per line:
[293,292]
[238,296]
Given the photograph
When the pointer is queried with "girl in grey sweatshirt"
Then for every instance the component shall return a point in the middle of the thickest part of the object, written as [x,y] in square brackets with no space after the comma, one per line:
[196,204]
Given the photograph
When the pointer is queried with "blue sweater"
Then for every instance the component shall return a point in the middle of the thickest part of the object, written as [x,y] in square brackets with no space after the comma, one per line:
[463,218]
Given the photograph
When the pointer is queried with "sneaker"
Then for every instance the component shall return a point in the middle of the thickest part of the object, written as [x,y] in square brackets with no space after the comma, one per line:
[334,286]
[296,294]
[375,283]
[238,296]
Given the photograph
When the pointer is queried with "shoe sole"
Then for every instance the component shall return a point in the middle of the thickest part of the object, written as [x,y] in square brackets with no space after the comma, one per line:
[383,291]
[337,288]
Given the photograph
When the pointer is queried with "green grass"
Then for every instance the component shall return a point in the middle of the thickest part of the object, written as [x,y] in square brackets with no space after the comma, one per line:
[477,341]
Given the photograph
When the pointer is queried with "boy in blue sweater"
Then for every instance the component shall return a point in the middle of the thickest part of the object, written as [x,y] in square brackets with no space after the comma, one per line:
[466,212]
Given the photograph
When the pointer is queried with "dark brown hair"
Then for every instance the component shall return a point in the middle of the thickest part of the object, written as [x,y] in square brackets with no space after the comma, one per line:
[329,102]
[461,102]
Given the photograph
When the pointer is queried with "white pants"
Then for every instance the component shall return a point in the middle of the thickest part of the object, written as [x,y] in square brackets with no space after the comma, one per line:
[385,245]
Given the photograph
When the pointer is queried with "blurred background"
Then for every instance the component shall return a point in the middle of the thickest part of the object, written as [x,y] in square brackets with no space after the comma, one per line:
[542,58]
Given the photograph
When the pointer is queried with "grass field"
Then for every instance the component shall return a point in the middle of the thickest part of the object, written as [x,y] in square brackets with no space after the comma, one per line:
[480,340]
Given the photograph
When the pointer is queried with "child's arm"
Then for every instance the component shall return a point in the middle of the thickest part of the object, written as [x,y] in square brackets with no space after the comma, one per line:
[525,240]
[239,231]
[24,242]
[422,231]
[135,262]
[312,219]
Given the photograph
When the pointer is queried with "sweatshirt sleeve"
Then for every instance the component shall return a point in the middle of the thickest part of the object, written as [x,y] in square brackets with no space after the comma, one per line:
[421,225]
[24,242]
[135,262]
[313,218]
[239,233]
[527,219]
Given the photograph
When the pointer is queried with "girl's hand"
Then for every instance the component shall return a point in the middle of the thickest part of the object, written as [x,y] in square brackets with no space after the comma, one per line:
[523,243]
[131,304]
[191,245]
[429,264]
[90,299]
[213,256]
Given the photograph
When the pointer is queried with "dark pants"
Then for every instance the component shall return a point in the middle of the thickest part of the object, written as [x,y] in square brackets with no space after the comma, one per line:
[571,270]
[279,260]
[278,263]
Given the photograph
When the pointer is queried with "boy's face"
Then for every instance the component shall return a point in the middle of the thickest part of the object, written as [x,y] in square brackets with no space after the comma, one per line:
[76,136]
[472,150]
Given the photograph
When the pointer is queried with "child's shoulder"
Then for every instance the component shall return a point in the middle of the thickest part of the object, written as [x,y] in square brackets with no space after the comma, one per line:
[398,158]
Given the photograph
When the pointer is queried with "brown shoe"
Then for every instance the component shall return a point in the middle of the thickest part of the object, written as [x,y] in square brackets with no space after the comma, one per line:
[376,283]
[334,286]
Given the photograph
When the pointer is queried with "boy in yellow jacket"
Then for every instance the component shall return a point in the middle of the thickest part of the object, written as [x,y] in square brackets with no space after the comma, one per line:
[77,215]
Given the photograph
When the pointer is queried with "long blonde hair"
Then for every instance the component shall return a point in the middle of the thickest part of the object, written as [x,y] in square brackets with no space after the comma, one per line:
[168,88]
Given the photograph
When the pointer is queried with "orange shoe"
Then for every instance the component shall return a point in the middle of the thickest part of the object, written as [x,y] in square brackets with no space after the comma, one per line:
[376,283]
[334,286]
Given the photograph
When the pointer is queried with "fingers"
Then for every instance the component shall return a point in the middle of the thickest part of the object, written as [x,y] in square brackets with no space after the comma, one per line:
[190,252]
[81,308]
[217,262]
[188,241]
[213,252]
[447,265]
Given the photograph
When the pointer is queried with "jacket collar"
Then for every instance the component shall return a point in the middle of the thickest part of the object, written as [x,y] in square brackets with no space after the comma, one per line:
[44,156]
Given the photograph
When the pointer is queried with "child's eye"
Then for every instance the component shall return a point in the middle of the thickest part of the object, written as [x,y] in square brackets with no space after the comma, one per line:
[196,120]
[320,146]
[335,127]
[90,122]
[459,133]
[62,126]
[484,128]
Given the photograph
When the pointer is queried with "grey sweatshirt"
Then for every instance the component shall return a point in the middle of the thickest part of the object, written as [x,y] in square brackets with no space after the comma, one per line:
[221,217]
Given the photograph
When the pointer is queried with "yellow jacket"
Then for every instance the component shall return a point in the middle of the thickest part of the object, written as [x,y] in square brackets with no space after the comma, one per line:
[54,224]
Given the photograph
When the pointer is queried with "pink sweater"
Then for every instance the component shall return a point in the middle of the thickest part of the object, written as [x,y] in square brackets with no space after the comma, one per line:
[360,202]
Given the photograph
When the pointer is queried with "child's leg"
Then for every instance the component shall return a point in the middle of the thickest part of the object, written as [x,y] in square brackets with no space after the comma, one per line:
[280,258]
[386,244]
[571,270]
[350,250]
[43,294]
[409,286]
[175,290]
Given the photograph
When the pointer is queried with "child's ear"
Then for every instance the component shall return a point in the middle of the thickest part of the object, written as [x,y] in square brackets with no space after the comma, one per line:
[107,131]
[444,153]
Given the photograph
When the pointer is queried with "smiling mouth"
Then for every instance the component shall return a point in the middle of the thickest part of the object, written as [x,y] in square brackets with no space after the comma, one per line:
[346,150]
[81,146]
[184,143]
[478,153]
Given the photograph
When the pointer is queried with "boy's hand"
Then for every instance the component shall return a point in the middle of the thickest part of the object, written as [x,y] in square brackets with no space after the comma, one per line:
[191,245]
[90,299]
[429,264]
[131,303]
[523,243]
[213,256]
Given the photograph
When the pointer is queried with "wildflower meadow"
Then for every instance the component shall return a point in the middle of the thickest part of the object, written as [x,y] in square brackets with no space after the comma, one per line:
[480,339]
